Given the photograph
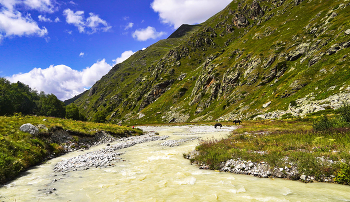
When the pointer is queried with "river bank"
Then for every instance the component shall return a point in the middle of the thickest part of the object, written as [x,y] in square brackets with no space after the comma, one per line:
[47,138]
[280,149]
[156,171]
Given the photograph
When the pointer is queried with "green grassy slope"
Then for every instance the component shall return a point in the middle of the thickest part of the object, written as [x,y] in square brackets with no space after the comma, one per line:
[228,67]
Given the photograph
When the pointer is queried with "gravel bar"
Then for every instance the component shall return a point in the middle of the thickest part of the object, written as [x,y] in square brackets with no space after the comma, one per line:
[103,157]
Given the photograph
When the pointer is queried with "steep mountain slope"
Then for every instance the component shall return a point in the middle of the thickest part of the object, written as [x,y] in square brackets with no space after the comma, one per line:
[254,59]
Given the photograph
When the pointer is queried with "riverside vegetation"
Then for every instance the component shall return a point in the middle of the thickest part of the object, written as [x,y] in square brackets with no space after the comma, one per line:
[20,151]
[317,149]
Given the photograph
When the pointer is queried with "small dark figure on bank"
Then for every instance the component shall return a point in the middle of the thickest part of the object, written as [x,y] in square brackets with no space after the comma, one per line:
[237,121]
[218,124]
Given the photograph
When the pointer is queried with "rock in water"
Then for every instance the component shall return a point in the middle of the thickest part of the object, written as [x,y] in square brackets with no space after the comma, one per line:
[29,128]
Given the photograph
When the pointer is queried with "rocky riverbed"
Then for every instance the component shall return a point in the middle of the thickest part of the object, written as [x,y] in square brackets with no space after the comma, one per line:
[106,156]
[154,172]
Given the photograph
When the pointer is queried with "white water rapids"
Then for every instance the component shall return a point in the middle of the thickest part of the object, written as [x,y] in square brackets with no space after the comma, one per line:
[152,172]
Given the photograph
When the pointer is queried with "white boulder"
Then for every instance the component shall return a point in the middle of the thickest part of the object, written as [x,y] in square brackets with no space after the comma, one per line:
[29,128]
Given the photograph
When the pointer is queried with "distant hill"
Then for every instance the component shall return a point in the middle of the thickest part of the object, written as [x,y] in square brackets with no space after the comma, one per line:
[254,59]
[69,101]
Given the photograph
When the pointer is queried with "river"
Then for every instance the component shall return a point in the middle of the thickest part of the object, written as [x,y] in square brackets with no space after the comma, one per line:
[151,172]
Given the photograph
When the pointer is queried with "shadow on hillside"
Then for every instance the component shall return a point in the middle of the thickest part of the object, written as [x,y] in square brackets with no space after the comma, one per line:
[182,30]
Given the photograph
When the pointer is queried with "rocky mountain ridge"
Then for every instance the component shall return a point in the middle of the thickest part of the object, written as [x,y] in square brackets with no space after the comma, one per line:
[254,59]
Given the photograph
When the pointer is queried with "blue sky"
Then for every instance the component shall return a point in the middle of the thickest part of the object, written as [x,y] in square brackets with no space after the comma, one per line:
[64,47]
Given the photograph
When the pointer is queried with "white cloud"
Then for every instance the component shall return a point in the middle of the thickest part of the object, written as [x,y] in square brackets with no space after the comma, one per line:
[147,33]
[129,26]
[8,4]
[94,73]
[12,23]
[123,57]
[93,22]
[62,80]
[81,54]
[44,19]
[178,12]
[40,5]
[75,18]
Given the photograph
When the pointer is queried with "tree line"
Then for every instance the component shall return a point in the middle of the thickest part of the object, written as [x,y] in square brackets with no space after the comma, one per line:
[20,98]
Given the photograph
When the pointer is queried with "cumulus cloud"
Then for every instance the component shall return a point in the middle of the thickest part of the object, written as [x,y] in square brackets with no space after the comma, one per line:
[14,23]
[147,33]
[94,22]
[94,73]
[57,19]
[81,54]
[129,26]
[75,18]
[178,12]
[62,80]
[123,57]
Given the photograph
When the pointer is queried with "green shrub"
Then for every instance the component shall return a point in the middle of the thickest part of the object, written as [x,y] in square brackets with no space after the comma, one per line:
[99,117]
[287,116]
[323,123]
[293,103]
[343,175]
[345,113]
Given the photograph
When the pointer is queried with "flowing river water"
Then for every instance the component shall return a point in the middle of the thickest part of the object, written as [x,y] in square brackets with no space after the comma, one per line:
[152,172]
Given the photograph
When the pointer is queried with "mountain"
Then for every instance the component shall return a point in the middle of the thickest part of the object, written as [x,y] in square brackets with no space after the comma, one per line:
[254,59]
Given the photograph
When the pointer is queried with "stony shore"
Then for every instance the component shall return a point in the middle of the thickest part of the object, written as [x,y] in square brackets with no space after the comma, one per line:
[104,157]
[264,170]
[261,169]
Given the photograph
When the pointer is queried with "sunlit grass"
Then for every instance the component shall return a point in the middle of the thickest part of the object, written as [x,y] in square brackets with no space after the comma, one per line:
[19,150]
[272,142]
